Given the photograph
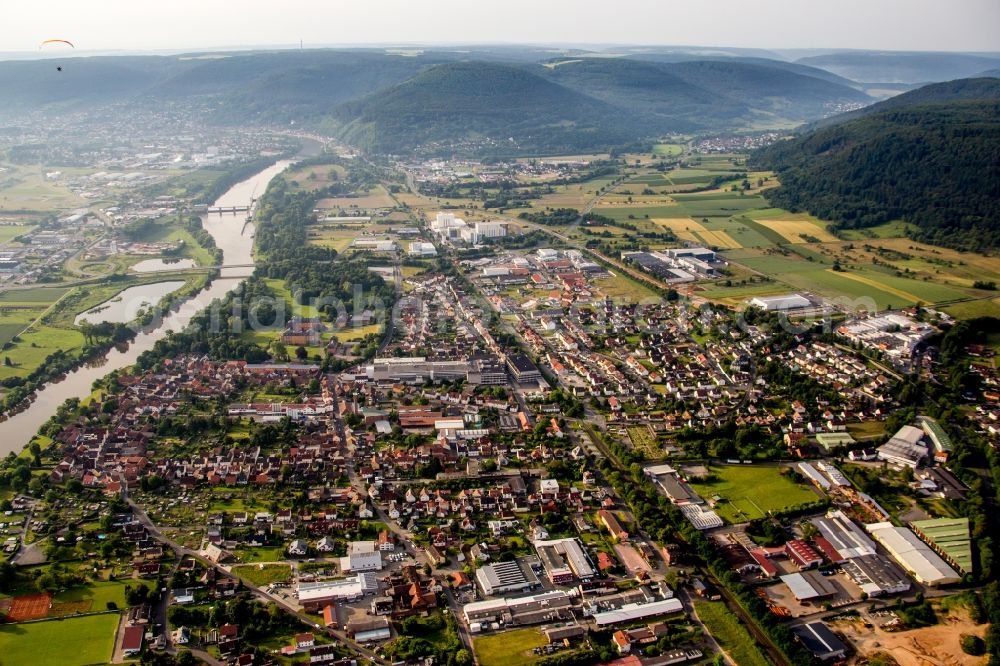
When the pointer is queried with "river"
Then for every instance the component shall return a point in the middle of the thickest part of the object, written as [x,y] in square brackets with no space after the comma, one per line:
[127,305]
[236,243]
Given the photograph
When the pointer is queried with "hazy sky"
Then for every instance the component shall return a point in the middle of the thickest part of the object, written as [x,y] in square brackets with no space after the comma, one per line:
[947,25]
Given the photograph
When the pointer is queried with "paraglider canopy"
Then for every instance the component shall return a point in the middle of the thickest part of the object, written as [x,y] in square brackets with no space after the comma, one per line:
[48,42]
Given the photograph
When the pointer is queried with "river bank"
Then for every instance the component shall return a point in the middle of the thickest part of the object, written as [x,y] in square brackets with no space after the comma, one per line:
[234,239]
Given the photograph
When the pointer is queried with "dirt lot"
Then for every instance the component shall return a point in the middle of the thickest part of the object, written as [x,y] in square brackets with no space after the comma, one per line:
[930,646]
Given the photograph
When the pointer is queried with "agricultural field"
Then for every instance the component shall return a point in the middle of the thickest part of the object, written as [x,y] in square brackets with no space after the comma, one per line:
[413,271]
[796,251]
[866,430]
[556,159]
[622,199]
[731,635]
[718,239]
[75,641]
[738,293]
[864,286]
[721,204]
[793,227]
[974,309]
[918,260]
[750,491]
[417,202]
[768,236]
[509,648]
[683,227]
[650,180]
[744,235]
[634,213]
[37,295]
[574,195]
[19,309]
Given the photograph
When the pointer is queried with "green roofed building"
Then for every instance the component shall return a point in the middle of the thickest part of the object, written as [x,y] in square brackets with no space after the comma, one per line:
[950,538]
[938,437]
[829,440]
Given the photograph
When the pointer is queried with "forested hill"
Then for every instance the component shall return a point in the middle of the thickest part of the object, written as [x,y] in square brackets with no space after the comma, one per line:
[705,94]
[481,101]
[935,165]
[582,104]
[982,87]
[478,101]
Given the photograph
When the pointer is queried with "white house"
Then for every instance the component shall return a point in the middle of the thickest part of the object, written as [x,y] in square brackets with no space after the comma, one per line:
[362,556]
[298,547]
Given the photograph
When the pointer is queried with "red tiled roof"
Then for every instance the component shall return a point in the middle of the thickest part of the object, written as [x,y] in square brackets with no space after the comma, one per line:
[132,638]
[765,564]
[828,550]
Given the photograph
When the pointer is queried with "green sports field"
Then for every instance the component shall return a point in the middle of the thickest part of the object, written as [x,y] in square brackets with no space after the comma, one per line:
[751,491]
[75,641]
